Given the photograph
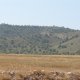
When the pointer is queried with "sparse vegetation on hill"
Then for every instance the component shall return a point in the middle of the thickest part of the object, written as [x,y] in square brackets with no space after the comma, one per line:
[38,40]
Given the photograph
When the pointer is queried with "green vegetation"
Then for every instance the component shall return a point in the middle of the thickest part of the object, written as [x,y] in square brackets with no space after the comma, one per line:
[38,39]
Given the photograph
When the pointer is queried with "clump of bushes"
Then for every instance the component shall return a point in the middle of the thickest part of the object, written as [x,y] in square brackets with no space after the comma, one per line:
[42,75]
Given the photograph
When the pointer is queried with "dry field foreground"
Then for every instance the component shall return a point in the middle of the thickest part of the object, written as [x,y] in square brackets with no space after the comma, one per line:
[25,64]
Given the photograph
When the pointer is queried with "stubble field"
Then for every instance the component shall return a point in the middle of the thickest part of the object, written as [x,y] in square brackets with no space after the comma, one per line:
[25,64]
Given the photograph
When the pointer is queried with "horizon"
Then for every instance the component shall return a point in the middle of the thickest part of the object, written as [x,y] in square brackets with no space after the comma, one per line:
[39,26]
[41,12]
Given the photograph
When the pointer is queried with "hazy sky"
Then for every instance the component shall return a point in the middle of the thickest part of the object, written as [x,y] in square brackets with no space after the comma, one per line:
[41,12]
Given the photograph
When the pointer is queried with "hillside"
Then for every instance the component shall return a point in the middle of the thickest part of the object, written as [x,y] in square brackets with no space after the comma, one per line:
[38,39]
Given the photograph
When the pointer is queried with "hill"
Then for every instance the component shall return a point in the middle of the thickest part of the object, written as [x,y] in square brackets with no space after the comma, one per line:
[38,39]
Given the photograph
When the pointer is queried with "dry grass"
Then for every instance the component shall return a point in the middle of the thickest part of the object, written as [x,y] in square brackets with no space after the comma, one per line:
[26,64]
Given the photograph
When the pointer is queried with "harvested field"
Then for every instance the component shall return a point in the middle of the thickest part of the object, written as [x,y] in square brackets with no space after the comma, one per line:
[26,64]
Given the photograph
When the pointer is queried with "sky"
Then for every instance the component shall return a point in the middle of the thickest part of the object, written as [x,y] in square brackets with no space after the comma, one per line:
[41,12]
